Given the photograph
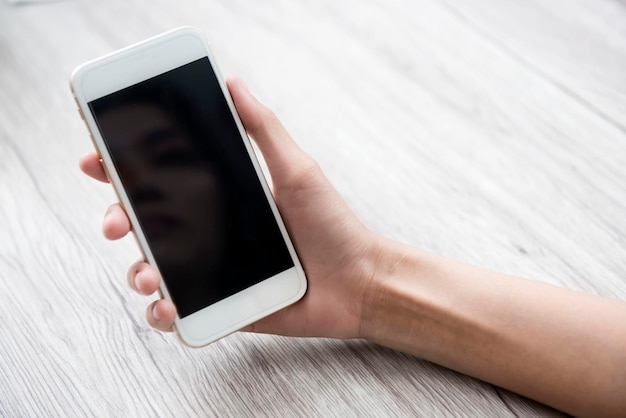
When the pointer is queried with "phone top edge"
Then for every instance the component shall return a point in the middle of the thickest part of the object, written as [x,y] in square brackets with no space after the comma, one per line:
[79,71]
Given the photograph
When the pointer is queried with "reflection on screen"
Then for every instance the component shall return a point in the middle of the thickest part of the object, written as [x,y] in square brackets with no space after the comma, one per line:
[192,186]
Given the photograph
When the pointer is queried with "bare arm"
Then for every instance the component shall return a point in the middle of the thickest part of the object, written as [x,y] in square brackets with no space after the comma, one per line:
[560,347]
[563,348]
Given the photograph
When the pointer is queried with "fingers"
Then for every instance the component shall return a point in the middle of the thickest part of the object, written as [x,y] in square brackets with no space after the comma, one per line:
[160,315]
[116,224]
[282,155]
[143,279]
[90,164]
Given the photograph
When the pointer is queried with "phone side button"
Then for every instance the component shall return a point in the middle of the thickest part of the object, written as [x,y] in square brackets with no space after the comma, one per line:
[104,168]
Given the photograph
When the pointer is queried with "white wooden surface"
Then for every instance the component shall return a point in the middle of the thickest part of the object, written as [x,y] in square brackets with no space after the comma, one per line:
[492,131]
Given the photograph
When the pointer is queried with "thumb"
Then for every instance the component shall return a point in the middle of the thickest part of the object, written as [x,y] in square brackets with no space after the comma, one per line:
[283,156]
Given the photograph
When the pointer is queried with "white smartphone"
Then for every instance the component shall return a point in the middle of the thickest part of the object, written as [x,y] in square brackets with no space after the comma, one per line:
[183,168]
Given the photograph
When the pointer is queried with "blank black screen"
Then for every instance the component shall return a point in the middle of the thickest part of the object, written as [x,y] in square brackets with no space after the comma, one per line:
[190,181]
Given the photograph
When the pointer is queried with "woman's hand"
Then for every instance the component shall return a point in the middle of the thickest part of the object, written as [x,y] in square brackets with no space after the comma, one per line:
[337,252]
[557,346]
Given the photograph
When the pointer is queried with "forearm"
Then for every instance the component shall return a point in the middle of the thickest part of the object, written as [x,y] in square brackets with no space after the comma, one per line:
[563,348]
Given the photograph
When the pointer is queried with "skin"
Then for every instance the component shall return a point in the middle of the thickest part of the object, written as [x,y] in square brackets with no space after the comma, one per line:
[563,348]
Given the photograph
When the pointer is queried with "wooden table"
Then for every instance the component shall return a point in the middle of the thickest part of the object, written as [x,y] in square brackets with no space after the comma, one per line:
[491,131]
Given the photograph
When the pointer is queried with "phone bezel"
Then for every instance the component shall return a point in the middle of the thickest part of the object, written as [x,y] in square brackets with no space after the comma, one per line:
[137,63]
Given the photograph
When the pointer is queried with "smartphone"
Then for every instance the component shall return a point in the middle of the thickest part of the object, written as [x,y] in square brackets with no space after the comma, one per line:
[183,168]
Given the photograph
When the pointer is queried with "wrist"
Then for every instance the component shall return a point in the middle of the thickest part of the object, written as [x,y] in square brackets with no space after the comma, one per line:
[410,305]
[391,299]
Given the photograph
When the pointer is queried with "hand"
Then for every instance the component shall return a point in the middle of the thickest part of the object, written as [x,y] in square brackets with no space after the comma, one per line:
[551,344]
[336,250]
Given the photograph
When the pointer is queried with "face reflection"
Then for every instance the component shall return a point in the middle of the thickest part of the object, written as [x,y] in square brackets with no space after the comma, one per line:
[174,192]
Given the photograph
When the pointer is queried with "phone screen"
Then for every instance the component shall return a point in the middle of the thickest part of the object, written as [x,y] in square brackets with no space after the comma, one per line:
[192,185]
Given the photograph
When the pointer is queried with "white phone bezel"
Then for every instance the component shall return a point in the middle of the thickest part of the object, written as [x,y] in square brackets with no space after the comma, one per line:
[140,62]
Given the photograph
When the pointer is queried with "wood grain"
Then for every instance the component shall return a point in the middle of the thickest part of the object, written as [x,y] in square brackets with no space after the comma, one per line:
[489,131]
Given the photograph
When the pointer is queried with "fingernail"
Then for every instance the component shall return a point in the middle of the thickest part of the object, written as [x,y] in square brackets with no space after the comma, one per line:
[155,314]
[107,215]
[137,281]
[109,210]
[244,86]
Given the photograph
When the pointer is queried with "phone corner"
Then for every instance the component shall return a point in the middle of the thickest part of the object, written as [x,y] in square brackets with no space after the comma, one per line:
[304,287]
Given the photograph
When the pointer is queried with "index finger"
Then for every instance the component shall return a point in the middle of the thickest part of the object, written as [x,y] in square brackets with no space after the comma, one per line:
[91,165]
